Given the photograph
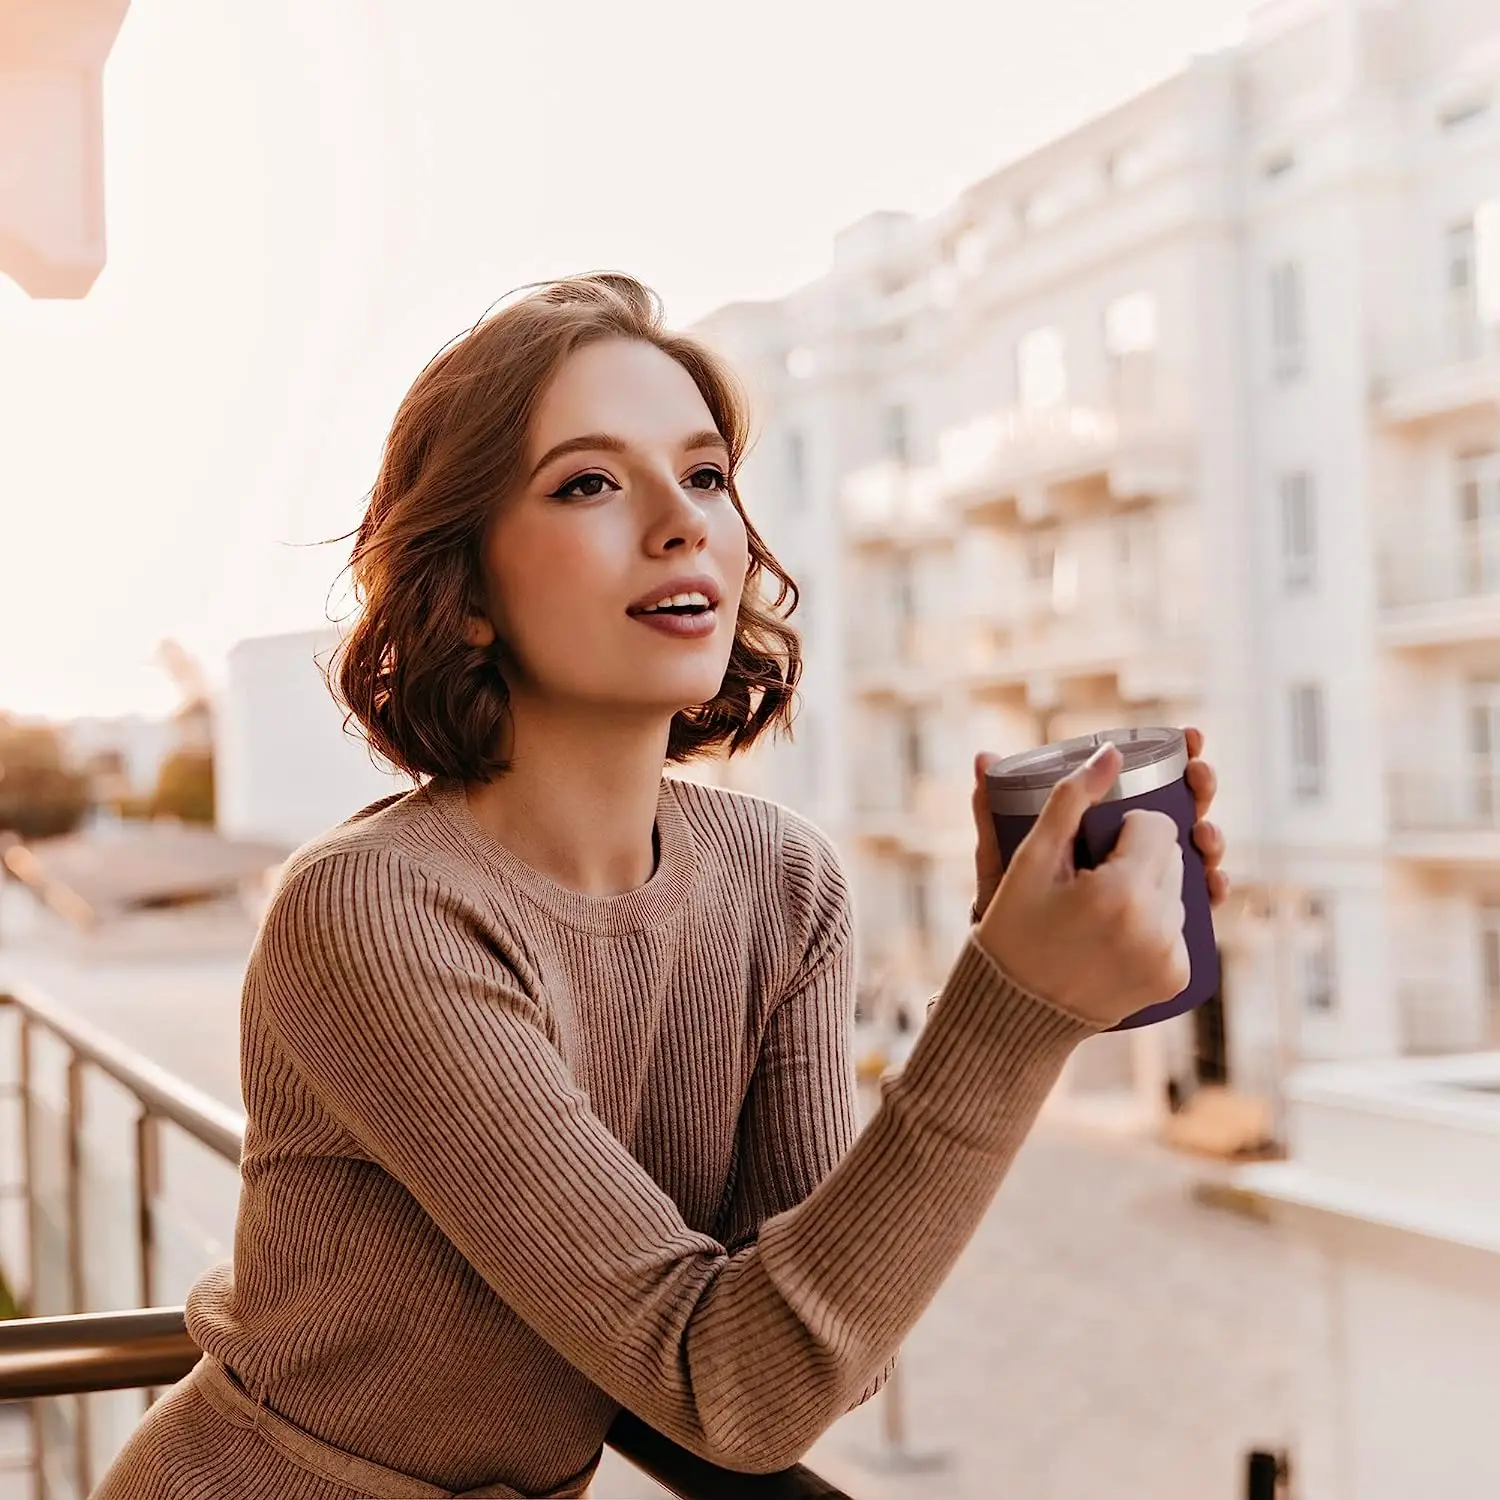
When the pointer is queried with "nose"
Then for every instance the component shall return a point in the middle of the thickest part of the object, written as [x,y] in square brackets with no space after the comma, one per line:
[677,522]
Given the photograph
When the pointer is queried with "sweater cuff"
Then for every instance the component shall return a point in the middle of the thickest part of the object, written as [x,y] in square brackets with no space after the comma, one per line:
[989,1054]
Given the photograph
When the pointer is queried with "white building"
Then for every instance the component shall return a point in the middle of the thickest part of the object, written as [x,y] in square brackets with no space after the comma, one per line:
[1392,1186]
[286,767]
[1191,416]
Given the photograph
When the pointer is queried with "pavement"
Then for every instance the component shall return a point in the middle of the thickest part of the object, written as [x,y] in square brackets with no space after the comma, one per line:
[1104,1337]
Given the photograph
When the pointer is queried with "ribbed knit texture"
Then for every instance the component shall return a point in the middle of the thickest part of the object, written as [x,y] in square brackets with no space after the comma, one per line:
[518,1156]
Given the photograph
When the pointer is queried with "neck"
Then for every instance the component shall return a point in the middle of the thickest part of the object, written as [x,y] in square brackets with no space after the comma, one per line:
[578,803]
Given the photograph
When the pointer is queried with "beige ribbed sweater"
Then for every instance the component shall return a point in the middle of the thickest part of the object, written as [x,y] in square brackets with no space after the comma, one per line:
[518,1156]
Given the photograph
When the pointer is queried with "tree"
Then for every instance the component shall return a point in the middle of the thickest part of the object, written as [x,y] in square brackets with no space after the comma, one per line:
[185,787]
[41,795]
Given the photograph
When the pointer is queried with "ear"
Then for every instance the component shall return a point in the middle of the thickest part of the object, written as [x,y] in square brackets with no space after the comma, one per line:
[479,632]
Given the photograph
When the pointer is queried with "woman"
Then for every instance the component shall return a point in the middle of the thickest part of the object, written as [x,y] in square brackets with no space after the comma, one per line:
[546,1062]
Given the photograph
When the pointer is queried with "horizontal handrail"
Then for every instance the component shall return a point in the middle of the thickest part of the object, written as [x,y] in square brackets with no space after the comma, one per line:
[115,1351]
[215,1125]
[124,1350]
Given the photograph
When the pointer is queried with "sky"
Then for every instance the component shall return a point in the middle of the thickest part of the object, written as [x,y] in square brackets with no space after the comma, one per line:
[307,198]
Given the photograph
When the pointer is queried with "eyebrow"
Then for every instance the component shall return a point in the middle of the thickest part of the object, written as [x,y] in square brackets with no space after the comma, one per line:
[604,442]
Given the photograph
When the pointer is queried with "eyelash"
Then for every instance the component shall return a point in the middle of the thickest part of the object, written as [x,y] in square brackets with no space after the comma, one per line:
[561,493]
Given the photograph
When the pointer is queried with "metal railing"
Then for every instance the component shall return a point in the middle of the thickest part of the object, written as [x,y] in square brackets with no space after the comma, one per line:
[1467,801]
[1464,567]
[77,1356]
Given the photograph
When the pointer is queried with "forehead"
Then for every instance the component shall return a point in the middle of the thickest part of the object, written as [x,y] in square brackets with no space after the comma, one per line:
[626,388]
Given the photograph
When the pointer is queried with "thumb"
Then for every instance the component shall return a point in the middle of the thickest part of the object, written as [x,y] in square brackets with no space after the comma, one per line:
[1056,827]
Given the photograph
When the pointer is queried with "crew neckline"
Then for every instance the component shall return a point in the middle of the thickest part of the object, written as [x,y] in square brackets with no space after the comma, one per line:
[629,911]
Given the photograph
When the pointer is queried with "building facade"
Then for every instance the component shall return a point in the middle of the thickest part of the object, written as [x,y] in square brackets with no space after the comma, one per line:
[1192,416]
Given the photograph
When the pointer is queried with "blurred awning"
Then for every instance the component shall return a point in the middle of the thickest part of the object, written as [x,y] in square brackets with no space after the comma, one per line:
[52,55]
[94,876]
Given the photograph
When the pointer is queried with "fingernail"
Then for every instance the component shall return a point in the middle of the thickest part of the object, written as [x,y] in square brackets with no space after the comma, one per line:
[1098,755]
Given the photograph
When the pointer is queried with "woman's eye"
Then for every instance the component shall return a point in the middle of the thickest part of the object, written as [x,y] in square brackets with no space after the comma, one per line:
[585,487]
[708,478]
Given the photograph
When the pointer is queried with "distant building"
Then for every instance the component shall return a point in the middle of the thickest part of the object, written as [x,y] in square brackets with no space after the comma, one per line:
[286,768]
[124,753]
[1192,415]
[1392,1180]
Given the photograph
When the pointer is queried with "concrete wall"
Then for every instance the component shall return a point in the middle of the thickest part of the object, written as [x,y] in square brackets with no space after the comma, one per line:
[287,769]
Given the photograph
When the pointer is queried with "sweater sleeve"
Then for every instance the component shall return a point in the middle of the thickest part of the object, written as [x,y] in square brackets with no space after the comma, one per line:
[414,1035]
[801,1112]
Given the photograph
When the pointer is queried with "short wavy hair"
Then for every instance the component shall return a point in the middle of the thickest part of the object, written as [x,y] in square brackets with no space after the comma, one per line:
[430,702]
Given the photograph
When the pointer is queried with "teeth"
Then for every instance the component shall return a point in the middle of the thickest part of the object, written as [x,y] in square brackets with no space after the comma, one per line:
[678,601]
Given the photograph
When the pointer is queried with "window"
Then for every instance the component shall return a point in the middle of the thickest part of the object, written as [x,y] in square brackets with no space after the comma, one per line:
[1484,745]
[796,465]
[919,905]
[1298,531]
[970,250]
[1489,961]
[1288,332]
[1041,556]
[1487,264]
[1042,370]
[1478,484]
[904,590]
[911,747]
[1308,734]
[1130,344]
[1315,955]
[895,436]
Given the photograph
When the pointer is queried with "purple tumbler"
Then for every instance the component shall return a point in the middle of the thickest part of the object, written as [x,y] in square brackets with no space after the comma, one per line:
[1152,777]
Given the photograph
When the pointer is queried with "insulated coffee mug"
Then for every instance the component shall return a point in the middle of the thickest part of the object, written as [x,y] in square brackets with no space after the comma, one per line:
[1153,776]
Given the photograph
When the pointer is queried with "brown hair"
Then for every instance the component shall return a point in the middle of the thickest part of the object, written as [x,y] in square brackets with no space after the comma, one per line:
[428,700]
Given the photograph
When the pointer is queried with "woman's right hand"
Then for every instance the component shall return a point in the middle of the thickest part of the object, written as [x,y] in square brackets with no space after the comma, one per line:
[1101,943]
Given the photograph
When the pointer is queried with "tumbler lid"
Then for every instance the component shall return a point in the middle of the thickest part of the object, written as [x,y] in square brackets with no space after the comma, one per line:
[1154,758]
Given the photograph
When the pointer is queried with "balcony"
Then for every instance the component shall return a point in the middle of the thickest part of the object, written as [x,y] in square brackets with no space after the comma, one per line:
[928,814]
[98,1126]
[1050,631]
[1451,820]
[892,505]
[1010,465]
[1445,377]
[1443,595]
[901,661]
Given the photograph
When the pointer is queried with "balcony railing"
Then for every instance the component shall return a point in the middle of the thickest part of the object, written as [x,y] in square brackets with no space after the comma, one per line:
[894,504]
[1461,803]
[1454,369]
[1466,568]
[80,1369]
[1009,453]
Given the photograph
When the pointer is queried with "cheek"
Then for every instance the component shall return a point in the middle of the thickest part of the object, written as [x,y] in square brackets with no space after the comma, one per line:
[537,577]
[731,547]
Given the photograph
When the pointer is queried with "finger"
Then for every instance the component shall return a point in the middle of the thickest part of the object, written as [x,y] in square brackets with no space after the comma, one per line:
[1052,835]
[1148,846]
[988,861]
[1218,887]
[1203,782]
[1194,738]
[1208,838]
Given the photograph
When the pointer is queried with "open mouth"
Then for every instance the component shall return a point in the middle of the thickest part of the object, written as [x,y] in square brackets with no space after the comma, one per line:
[681,605]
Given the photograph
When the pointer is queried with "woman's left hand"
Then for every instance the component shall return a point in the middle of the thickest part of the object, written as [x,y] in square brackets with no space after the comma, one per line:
[1208,837]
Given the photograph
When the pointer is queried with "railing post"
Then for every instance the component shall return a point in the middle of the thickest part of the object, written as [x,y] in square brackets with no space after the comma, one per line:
[28,1182]
[147,1187]
[78,1292]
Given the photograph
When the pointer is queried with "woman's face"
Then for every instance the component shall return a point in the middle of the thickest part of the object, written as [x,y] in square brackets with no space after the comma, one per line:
[623,501]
